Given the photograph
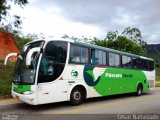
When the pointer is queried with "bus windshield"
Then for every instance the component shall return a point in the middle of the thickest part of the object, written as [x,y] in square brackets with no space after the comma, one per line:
[25,74]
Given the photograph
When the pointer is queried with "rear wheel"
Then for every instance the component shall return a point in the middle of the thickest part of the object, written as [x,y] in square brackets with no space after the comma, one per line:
[139,90]
[77,96]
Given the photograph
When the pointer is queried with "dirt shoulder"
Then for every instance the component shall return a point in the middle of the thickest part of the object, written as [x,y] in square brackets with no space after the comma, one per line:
[8,101]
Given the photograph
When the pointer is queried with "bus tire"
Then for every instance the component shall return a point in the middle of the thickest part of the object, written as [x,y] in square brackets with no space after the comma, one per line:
[77,96]
[139,89]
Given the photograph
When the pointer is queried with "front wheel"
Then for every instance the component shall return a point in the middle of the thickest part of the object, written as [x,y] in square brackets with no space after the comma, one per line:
[77,96]
[139,90]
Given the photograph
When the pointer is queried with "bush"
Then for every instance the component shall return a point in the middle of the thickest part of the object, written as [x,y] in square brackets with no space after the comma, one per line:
[6,77]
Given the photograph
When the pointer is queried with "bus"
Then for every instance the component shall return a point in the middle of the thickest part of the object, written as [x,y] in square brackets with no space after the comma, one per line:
[54,70]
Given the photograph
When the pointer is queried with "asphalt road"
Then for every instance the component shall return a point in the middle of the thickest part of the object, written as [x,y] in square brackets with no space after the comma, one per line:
[126,106]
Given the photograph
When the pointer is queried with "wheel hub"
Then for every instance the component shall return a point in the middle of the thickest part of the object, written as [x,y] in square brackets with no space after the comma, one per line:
[77,95]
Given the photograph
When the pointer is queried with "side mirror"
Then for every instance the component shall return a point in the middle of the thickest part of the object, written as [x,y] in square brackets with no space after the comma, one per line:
[29,55]
[10,55]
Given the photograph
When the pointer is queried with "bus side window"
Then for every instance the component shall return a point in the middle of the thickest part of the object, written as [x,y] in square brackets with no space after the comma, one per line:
[126,61]
[139,63]
[75,59]
[151,65]
[145,64]
[114,60]
[75,53]
[98,57]
[79,54]
[136,63]
[92,56]
[84,55]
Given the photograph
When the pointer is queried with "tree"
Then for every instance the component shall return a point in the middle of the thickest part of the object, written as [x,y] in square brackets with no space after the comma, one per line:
[111,35]
[123,42]
[135,35]
[10,27]
[20,41]
[5,6]
[97,41]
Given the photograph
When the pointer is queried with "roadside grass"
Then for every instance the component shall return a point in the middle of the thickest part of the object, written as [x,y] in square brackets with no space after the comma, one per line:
[157,74]
[157,77]
[157,84]
[6,77]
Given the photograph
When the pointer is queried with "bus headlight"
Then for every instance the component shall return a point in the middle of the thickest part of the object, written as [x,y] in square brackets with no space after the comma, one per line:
[28,92]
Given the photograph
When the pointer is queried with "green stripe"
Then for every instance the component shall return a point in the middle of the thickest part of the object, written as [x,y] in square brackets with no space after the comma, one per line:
[21,88]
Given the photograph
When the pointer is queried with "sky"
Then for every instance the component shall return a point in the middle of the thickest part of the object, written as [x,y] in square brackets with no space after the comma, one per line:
[90,18]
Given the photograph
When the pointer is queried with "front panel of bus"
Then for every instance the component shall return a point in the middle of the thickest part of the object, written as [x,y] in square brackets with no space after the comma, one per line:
[35,83]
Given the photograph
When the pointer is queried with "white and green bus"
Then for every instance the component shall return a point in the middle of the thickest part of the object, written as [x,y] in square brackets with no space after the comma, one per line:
[49,71]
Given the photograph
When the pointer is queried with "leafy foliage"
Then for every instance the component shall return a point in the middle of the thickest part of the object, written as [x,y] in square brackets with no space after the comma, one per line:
[22,41]
[5,6]
[5,21]
[153,51]
[158,74]
[6,76]
[135,35]
[129,41]
[111,36]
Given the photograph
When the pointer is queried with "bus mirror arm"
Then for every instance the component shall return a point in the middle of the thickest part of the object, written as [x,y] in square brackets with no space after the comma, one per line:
[29,55]
[10,55]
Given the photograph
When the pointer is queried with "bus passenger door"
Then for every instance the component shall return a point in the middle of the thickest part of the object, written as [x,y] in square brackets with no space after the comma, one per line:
[51,88]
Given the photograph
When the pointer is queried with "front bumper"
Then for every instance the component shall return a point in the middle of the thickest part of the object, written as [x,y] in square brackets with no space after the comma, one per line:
[30,99]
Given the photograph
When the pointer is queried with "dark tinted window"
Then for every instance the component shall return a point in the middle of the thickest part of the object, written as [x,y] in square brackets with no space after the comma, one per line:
[151,65]
[57,51]
[53,61]
[114,59]
[136,63]
[145,65]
